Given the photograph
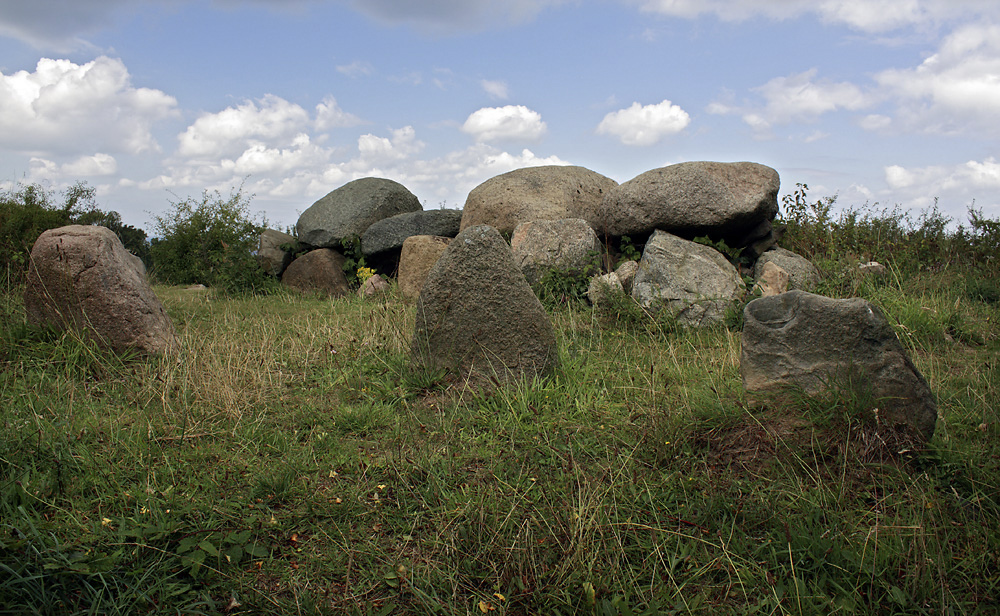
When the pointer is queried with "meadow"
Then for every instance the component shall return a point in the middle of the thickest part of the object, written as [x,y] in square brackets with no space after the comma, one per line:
[289,461]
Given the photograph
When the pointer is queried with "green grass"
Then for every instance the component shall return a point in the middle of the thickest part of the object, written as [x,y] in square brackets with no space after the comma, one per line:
[288,461]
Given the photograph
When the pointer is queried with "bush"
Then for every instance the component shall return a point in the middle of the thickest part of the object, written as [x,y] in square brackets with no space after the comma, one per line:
[210,241]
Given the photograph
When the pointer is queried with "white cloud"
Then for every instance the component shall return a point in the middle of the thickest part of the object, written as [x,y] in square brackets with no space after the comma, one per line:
[956,90]
[496,89]
[69,108]
[863,15]
[96,165]
[355,69]
[508,123]
[957,186]
[330,115]
[644,125]
[875,122]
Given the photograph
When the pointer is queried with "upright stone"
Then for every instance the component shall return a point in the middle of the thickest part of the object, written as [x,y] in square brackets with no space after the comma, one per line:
[478,317]
[272,257]
[568,246]
[810,343]
[694,282]
[417,258]
[537,193]
[802,274]
[82,277]
[318,271]
[351,209]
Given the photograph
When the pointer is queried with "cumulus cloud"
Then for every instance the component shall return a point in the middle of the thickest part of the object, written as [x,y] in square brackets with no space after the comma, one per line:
[644,124]
[955,90]
[96,165]
[957,186]
[330,115]
[863,15]
[69,108]
[496,89]
[271,118]
[507,123]
[799,97]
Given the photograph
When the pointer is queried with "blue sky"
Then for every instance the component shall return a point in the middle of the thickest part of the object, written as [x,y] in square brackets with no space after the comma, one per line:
[150,101]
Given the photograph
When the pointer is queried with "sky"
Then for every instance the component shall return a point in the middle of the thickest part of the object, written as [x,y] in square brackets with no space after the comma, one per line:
[889,103]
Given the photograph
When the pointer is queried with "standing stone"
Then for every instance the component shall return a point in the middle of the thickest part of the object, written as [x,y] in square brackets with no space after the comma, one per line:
[318,271]
[727,201]
[82,277]
[568,246]
[389,234]
[351,209]
[272,257]
[418,256]
[802,274]
[537,193]
[477,315]
[694,282]
[810,342]
[772,280]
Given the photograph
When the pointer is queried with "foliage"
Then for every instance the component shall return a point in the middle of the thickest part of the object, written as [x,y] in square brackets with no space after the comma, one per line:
[354,260]
[28,210]
[210,241]
[557,287]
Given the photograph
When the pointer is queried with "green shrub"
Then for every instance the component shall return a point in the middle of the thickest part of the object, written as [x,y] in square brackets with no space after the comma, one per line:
[210,241]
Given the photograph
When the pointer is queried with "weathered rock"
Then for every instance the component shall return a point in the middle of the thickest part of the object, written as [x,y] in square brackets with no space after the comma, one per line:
[604,287]
[772,280]
[389,233]
[802,274]
[626,274]
[418,256]
[537,193]
[478,317]
[351,209]
[375,285]
[568,246]
[872,268]
[727,201]
[694,282]
[809,342]
[317,271]
[270,254]
[82,277]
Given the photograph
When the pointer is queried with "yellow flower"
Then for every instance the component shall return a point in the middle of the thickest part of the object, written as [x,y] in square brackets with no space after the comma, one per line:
[364,273]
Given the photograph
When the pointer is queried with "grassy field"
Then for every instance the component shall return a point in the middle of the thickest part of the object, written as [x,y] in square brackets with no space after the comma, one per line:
[288,461]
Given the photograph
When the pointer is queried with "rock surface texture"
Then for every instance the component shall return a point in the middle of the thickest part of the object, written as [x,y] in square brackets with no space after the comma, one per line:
[82,277]
[802,274]
[772,280]
[318,271]
[694,282]
[568,246]
[537,193]
[270,254]
[478,317]
[418,256]
[811,342]
[351,209]
[734,202]
[389,234]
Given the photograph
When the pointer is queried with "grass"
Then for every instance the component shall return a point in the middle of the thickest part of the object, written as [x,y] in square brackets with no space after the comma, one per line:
[288,461]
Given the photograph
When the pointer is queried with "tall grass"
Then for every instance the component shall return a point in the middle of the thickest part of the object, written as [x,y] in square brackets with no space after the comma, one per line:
[288,460]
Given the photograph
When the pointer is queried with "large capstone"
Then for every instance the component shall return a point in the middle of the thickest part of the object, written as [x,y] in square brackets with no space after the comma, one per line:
[349,210]
[734,202]
[537,193]
[477,316]
[388,234]
[82,277]
[694,282]
[804,342]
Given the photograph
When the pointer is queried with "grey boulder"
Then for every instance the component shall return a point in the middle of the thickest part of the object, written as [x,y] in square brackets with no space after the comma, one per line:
[537,193]
[318,271]
[81,277]
[568,246]
[477,316]
[692,281]
[417,257]
[802,274]
[734,202]
[389,234]
[811,343]
[272,257]
[351,209]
